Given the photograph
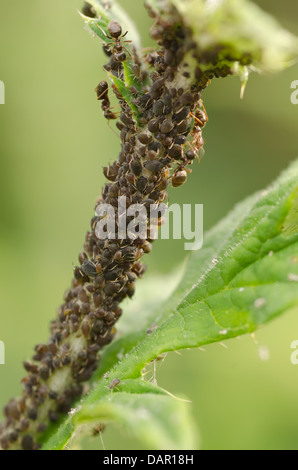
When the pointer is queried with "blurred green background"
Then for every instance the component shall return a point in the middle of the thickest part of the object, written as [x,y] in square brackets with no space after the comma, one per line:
[53,143]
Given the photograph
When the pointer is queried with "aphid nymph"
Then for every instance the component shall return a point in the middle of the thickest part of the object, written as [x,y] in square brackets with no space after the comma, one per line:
[114,384]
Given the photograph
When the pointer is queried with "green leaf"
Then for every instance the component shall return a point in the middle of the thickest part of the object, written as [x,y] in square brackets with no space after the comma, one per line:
[234,34]
[126,94]
[291,222]
[245,275]
[114,12]
[157,420]
[243,28]
[99,27]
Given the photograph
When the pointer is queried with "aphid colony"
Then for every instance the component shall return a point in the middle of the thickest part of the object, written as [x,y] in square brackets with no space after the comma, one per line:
[152,156]
[172,119]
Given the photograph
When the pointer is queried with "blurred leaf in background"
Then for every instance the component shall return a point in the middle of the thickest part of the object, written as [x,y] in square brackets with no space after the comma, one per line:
[53,144]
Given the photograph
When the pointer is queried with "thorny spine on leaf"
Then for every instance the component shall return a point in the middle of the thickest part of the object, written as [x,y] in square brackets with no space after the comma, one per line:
[154,153]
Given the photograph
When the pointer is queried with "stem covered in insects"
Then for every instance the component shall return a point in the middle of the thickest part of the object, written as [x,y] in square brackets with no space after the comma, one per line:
[160,125]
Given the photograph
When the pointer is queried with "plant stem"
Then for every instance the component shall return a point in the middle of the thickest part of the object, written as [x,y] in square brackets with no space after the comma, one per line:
[161,136]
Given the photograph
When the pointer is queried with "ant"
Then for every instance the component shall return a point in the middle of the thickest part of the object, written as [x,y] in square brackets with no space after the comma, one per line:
[201,116]
[115,34]
[102,91]
[196,146]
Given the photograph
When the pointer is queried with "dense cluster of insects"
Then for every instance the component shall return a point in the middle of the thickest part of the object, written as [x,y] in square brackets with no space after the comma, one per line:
[155,152]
